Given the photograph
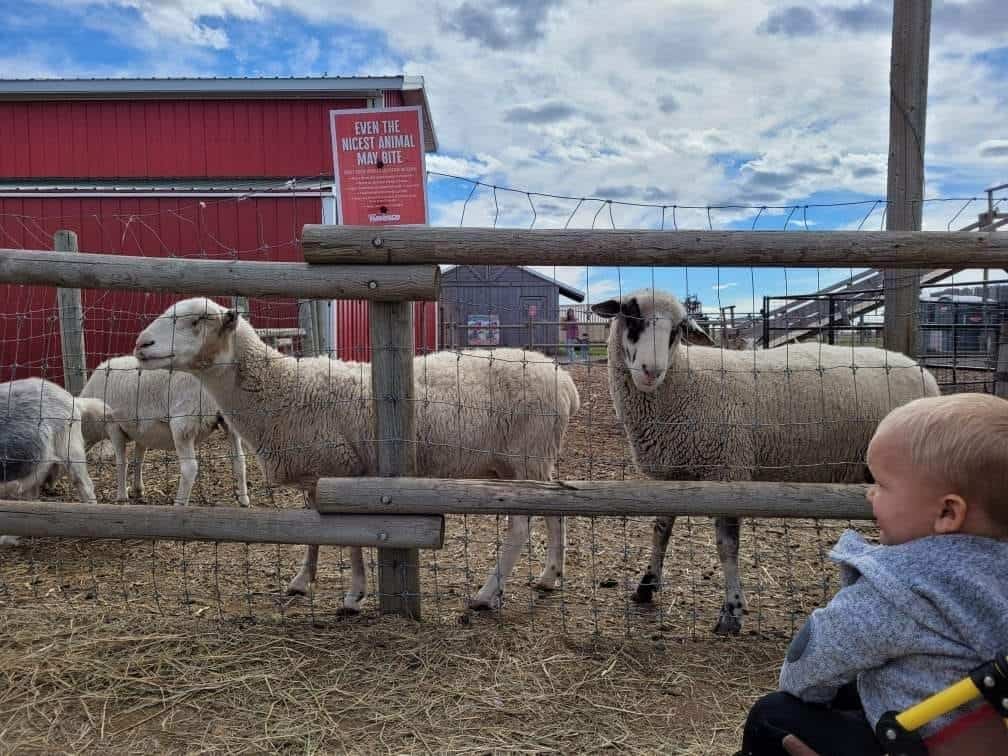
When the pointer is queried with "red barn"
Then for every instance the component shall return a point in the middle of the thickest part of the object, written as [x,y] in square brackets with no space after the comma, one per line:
[209,168]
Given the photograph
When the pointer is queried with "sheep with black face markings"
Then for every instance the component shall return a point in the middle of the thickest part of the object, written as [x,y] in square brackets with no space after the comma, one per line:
[480,414]
[800,413]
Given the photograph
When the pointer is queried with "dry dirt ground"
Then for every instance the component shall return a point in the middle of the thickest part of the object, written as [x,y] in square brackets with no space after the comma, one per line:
[134,646]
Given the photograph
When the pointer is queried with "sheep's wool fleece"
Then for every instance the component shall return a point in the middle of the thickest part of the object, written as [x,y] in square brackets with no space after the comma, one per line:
[144,402]
[477,413]
[801,412]
[31,409]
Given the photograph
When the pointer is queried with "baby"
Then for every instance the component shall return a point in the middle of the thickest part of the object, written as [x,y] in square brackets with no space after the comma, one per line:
[918,612]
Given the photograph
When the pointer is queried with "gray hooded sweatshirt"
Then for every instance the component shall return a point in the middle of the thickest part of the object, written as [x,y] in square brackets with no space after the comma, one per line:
[908,621]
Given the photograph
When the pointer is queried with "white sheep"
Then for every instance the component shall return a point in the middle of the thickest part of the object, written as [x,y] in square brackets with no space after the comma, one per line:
[157,409]
[797,413]
[478,414]
[40,436]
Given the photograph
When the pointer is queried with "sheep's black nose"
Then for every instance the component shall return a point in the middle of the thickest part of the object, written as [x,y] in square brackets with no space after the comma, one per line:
[144,344]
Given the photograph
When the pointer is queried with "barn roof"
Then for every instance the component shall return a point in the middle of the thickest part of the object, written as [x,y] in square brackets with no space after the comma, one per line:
[568,291]
[411,87]
[167,187]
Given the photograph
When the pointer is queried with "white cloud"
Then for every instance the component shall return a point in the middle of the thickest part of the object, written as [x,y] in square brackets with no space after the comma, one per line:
[468,167]
[574,97]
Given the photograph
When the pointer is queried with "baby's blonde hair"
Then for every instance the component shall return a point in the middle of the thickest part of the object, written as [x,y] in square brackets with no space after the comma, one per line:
[961,439]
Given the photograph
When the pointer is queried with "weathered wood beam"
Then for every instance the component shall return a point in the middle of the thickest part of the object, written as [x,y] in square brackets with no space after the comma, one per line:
[300,526]
[400,245]
[632,498]
[218,277]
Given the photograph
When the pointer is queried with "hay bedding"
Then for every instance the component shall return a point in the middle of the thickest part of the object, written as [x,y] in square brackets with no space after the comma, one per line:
[139,646]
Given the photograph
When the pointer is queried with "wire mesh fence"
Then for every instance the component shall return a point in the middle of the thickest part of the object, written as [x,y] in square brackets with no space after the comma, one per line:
[784,564]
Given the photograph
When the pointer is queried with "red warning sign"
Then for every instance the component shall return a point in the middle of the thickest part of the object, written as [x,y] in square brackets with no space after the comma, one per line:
[378,156]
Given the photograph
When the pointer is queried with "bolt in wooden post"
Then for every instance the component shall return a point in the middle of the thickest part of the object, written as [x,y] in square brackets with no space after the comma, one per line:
[391,326]
[71,313]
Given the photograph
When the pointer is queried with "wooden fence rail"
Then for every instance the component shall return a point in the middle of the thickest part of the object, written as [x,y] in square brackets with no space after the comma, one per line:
[218,277]
[632,498]
[47,519]
[398,245]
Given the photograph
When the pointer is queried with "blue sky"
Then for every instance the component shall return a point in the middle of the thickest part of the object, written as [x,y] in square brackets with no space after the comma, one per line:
[687,103]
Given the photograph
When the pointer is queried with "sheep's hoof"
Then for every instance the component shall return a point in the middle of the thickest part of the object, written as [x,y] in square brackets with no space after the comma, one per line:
[728,623]
[347,611]
[297,590]
[643,595]
[487,605]
[646,589]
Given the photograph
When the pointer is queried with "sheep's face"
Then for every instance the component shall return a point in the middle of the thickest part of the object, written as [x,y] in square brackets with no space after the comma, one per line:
[191,335]
[649,327]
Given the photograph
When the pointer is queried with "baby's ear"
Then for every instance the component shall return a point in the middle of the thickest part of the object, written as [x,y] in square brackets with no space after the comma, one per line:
[952,516]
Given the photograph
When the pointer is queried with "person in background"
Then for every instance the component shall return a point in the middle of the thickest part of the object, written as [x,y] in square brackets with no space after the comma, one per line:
[571,334]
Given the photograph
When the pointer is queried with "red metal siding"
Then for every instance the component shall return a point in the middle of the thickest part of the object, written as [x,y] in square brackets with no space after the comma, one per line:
[250,229]
[214,228]
[352,338]
[168,138]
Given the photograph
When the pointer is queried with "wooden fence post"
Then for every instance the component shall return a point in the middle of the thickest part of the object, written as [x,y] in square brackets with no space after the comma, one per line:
[1001,371]
[322,333]
[908,76]
[71,313]
[310,342]
[241,304]
[391,326]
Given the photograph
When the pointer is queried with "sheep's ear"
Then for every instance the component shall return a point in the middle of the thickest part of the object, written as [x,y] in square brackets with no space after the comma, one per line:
[229,321]
[608,309]
[694,334]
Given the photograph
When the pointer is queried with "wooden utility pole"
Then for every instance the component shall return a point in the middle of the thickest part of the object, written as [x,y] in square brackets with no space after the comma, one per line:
[908,75]
[71,314]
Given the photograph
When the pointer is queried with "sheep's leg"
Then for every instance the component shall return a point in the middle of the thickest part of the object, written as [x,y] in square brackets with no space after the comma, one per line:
[556,535]
[77,467]
[10,490]
[139,451]
[651,580]
[354,598]
[185,449]
[238,467]
[118,439]
[306,575]
[491,595]
[30,488]
[730,621]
